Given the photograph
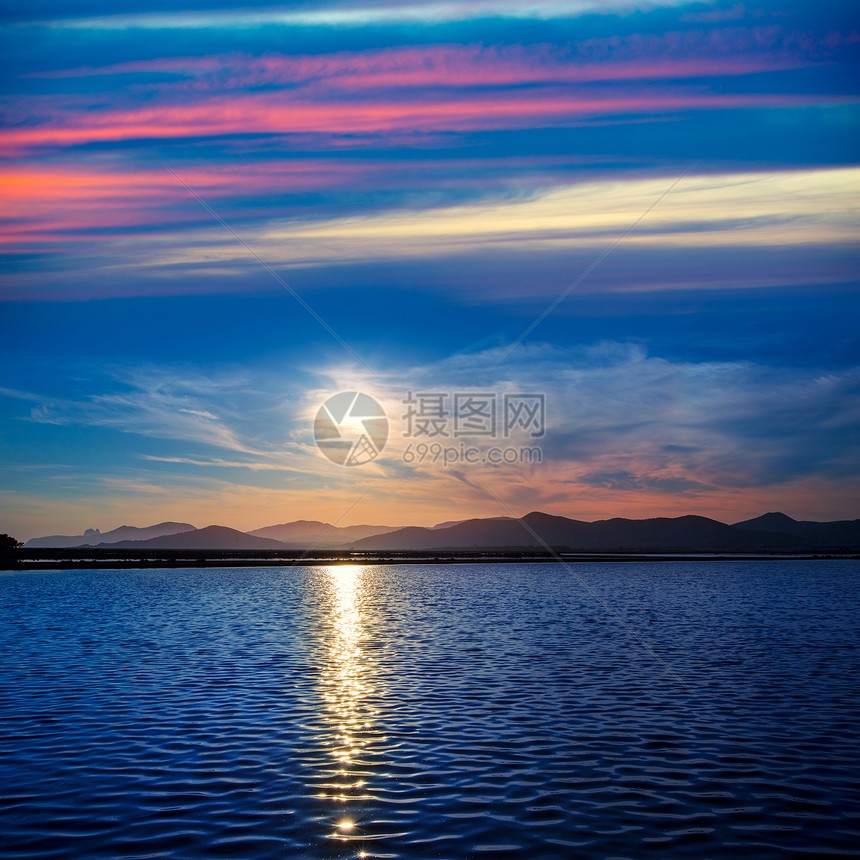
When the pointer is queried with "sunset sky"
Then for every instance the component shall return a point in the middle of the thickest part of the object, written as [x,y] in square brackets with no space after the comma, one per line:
[214,218]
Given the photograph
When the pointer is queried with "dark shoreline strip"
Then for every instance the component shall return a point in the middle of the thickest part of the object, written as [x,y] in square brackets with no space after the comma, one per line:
[89,560]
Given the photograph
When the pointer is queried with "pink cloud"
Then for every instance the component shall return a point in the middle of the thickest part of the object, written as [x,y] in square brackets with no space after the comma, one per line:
[39,205]
[283,114]
[404,90]
[727,51]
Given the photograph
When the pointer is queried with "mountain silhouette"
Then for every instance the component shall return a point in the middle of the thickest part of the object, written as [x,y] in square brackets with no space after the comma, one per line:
[123,533]
[771,531]
[536,529]
[772,522]
[839,533]
[212,537]
[304,532]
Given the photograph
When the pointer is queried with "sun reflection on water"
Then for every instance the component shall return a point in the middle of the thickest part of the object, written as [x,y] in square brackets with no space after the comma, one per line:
[345,692]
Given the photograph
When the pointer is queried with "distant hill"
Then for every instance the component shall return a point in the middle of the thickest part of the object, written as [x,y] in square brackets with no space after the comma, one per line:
[123,533]
[839,533]
[450,523]
[305,532]
[466,534]
[662,533]
[212,537]
[772,522]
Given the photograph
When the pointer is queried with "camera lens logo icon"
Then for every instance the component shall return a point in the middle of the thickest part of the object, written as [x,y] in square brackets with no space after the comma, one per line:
[351,428]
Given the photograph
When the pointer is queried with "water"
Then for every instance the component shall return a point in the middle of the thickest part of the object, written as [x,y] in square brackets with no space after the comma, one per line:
[625,710]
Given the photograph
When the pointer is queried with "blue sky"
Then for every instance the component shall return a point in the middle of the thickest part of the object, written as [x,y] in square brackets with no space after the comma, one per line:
[429,179]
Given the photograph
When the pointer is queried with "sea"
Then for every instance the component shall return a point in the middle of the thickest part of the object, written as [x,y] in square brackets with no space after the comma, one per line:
[700,709]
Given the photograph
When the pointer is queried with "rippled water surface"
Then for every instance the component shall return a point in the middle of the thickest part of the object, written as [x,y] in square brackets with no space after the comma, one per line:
[613,710]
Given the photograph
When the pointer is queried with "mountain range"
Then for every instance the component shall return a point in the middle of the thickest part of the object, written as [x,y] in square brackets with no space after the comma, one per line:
[212,537]
[772,531]
[688,533]
[93,536]
[304,532]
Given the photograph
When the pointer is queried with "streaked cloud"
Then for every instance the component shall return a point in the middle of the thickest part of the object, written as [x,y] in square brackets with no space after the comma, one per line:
[367,14]
[735,210]
[454,65]
[276,115]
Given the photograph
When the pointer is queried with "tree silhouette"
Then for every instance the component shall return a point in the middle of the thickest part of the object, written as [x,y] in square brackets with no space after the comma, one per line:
[8,542]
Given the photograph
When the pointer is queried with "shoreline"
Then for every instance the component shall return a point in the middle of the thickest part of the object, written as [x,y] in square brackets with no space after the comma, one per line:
[75,559]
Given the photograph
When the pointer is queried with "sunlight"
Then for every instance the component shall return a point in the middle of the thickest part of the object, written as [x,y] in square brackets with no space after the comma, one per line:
[345,574]
[345,686]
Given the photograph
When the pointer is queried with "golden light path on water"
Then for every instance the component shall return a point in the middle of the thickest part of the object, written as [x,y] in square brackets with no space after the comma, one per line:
[345,692]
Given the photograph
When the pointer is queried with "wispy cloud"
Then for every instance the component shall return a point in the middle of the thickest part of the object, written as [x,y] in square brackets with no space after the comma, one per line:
[753,213]
[631,429]
[368,14]
[755,209]
[407,90]
[216,462]
[160,403]
[201,413]
[264,114]
[427,67]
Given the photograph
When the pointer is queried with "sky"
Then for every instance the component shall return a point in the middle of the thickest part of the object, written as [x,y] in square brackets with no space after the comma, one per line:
[215,217]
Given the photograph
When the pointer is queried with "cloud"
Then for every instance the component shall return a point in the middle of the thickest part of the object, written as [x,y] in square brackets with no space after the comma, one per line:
[789,208]
[280,114]
[625,481]
[45,206]
[219,463]
[162,403]
[618,419]
[201,412]
[781,228]
[622,420]
[406,90]
[329,152]
[369,14]
[452,65]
